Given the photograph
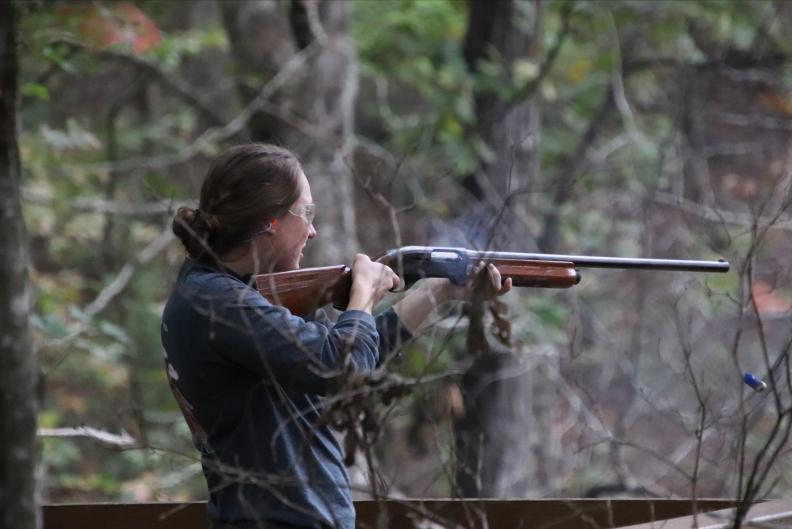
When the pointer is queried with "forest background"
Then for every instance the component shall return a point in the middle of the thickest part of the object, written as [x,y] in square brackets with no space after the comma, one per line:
[631,128]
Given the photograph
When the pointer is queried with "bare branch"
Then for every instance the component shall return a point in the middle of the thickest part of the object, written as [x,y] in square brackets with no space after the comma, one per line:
[172,83]
[216,134]
[112,290]
[719,215]
[122,441]
[112,207]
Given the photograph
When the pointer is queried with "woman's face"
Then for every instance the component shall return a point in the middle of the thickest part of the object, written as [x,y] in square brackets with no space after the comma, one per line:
[292,231]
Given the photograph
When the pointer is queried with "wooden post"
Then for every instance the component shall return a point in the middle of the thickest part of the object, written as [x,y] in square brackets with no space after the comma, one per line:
[573,513]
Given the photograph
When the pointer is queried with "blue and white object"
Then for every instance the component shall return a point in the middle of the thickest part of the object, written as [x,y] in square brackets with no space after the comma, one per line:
[755,382]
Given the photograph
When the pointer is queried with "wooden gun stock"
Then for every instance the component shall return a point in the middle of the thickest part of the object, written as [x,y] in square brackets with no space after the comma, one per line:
[303,291]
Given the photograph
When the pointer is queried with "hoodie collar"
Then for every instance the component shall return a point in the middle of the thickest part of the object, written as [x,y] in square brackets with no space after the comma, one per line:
[210,264]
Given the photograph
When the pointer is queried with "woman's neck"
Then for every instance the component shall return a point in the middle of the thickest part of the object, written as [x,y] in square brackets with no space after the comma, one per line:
[246,262]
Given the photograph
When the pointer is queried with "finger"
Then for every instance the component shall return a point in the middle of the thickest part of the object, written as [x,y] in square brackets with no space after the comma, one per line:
[390,278]
[507,285]
[495,276]
[360,260]
[393,279]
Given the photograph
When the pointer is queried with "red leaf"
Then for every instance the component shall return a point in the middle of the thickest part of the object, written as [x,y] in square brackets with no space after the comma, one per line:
[767,302]
[118,23]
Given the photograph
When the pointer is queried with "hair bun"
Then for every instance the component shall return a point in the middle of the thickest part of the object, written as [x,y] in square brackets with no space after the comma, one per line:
[193,227]
[186,215]
[204,222]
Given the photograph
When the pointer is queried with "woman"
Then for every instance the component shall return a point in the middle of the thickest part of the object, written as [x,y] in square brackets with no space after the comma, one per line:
[249,376]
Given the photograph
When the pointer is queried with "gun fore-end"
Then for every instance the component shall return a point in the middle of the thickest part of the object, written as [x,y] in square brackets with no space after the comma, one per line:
[303,291]
[543,274]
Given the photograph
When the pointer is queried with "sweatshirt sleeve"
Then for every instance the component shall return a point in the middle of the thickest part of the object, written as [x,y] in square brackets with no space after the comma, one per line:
[392,334]
[267,340]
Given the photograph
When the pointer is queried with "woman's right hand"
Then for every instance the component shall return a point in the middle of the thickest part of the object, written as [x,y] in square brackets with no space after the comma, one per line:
[370,282]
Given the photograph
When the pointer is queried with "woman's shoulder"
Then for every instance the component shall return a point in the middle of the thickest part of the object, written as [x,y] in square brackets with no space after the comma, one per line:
[199,279]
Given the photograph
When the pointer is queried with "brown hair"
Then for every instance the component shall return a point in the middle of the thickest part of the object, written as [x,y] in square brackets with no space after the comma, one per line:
[245,187]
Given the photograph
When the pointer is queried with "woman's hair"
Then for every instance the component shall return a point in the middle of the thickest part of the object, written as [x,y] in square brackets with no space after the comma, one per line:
[246,186]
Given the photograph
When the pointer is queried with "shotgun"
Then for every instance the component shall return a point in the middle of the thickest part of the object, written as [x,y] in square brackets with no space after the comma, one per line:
[305,290]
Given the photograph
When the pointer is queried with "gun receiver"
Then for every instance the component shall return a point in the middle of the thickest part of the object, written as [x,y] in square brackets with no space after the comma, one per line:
[307,289]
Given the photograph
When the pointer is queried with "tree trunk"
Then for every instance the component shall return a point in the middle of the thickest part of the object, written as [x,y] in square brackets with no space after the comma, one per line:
[494,449]
[509,128]
[494,452]
[314,113]
[18,406]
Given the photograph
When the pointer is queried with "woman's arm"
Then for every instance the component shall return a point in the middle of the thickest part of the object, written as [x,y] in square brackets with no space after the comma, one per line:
[418,309]
[266,340]
[269,341]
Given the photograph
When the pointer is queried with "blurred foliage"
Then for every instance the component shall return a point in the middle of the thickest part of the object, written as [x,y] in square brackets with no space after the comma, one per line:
[85,107]
[412,52]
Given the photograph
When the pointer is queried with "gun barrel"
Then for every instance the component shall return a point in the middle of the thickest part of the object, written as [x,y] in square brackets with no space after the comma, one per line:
[590,261]
[450,255]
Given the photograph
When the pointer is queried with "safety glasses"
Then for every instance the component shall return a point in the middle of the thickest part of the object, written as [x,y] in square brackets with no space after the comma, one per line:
[307,212]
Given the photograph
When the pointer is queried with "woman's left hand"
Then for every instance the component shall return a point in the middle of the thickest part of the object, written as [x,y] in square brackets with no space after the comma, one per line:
[416,309]
[446,291]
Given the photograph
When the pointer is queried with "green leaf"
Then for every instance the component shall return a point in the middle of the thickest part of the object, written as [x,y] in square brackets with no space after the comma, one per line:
[36,90]
[61,56]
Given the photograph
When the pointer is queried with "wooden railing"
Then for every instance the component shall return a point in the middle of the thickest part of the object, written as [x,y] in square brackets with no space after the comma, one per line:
[491,514]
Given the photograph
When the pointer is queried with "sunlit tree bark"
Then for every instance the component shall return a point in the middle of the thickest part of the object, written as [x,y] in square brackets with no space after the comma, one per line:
[18,406]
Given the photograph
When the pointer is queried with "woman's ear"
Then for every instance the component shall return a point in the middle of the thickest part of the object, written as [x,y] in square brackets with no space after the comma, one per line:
[270,228]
